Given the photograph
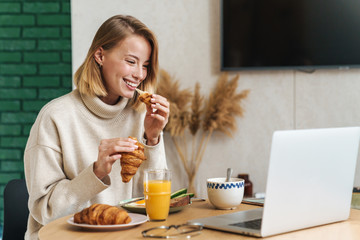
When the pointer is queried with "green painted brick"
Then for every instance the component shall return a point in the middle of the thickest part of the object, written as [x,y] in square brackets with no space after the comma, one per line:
[10,154]
[10,57]
[52,93]
[12,166]
[38,81]
[26,130]
[27,127]
[19,142]
[41,7]
[38,32]
[18,69]
[53,20]
[10,105]
[11,45]
[17,20]
[6,177]
[62,44]
[10,81]
[36,57]
[22,93]
[10,130]
[65,7]
[18,117]
[8,7]
[35,105]
[59,68]
[10,32]
[66,32]
[67,81]
[66,56]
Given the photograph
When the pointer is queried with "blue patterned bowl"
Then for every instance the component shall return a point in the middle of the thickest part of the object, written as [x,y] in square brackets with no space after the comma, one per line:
[225,195]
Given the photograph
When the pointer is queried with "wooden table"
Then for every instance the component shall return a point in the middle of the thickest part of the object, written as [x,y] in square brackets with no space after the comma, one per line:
[60,229]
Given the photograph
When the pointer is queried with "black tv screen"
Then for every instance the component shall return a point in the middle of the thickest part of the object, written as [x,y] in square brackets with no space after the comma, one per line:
[290,34]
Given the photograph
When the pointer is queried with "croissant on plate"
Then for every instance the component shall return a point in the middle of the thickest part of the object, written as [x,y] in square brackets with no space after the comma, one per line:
[102,214]
[131,161]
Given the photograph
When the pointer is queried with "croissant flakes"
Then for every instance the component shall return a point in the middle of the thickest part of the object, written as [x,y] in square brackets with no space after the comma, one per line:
[102,214]
[131,161]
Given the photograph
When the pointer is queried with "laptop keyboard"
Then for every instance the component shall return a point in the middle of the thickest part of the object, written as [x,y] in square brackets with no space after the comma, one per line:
[253,224]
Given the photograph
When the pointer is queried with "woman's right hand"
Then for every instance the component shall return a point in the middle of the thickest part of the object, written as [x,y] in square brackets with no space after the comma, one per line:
[109,151]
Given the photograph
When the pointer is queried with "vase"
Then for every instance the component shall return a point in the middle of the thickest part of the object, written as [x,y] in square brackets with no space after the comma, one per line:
[248,185]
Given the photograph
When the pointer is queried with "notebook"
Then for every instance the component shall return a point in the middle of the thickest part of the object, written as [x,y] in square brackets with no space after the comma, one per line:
[309,183]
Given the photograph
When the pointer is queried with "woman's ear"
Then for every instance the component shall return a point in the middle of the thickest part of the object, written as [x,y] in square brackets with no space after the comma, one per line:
[99,56]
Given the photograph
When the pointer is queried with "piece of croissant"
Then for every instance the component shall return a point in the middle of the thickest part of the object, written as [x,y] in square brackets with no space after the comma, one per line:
[102,214]
[131,161]
[145,97]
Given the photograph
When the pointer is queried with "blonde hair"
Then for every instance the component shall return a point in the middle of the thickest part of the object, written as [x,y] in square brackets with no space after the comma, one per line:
[88,77]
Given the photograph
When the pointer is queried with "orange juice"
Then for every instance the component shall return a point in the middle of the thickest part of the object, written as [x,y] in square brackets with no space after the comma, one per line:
[157,198]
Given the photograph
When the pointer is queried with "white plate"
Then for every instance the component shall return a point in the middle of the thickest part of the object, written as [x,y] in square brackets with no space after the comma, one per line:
[136,219]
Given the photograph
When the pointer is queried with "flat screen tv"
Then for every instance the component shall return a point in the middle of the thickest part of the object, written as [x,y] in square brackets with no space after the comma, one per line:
[290,34]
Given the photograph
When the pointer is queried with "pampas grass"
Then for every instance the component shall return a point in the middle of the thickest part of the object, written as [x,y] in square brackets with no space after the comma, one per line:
[191,116]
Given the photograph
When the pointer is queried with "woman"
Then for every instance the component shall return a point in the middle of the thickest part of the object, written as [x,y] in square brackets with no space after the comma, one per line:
[73,151]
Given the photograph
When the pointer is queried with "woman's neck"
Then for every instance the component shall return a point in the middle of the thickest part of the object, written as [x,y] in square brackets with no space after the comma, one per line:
[110,100]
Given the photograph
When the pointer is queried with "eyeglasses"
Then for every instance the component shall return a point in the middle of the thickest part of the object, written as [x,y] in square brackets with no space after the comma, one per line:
[186,230]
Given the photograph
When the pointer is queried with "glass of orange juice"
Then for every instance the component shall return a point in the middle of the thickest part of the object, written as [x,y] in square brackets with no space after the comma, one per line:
[157,190]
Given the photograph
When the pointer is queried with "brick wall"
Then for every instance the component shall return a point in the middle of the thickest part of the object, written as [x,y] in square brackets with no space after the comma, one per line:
[35,67]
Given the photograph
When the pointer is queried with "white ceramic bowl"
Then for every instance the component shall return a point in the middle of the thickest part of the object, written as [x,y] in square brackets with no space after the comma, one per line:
[225,195]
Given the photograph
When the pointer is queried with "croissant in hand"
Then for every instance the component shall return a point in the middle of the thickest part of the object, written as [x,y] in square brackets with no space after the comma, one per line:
[131,161]
[102,214]
[145,97]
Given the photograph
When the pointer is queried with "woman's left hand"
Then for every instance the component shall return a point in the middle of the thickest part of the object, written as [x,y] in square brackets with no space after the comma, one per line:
[156,120]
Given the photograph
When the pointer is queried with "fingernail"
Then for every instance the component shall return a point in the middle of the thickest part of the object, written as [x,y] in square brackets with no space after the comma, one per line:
[153,99]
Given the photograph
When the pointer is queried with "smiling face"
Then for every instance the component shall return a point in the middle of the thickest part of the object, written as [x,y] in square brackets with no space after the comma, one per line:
[124,67]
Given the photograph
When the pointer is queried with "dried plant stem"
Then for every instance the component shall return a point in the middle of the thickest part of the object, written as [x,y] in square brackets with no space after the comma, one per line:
[200,149]
[196,160]
[193,147]
[192,166]
[182,157]
[184,144]
[191,184]
[200,153]
[200,157]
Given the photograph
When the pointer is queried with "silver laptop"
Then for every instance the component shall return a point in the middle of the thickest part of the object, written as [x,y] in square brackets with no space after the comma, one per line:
[310,180]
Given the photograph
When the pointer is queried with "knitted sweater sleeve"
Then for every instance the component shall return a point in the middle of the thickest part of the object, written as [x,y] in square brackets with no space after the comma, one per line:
[53,193]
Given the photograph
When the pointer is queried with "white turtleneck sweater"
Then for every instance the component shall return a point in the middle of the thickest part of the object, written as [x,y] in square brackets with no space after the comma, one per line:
[62,148]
